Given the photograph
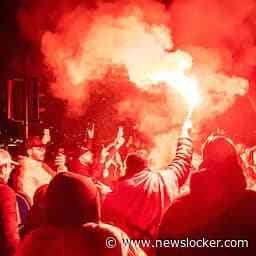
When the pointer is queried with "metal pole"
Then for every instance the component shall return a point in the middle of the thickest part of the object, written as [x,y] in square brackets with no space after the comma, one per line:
[26,108]
[26,121]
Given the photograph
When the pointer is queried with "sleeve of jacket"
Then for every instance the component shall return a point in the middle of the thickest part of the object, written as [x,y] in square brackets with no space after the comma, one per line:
[8,220]
[181,163]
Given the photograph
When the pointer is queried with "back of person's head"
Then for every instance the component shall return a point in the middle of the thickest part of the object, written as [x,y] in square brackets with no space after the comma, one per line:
[219,150]
[71,200]
[221,162]
[5,157]
[5,164]
[90,239]
[49,241]
[109,240]
[135,163]
[39,198]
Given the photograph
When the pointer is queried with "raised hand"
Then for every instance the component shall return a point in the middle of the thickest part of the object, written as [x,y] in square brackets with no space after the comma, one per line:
[120,132]
[187,127]
[46,136]
[90,131]
[120,140]
[60,162]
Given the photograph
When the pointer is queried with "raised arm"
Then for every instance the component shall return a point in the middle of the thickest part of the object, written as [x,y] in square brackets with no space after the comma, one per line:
[108,154]
[181,164]
[89,137]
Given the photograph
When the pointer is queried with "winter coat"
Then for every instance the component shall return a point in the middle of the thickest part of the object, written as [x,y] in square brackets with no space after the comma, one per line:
[138,203]
[9,236]
[217,208]
[92,239]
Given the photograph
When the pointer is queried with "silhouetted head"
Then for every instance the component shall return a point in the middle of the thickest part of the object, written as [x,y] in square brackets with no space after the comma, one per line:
[88,240]
[71,200]
[135,162]
[219,150]
[220,172]
[39,197]
[5,164]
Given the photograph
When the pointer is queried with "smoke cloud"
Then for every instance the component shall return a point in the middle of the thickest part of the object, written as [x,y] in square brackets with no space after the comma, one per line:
[81,43]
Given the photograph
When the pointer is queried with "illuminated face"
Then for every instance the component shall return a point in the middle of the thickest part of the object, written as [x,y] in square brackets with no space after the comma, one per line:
[86,158]
[37,153]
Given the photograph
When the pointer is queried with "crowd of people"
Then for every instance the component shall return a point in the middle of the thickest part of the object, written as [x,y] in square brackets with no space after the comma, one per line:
[72,207]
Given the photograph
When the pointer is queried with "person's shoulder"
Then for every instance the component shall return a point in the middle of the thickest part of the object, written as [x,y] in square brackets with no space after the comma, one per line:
[106,231]
[23,159]
[146,178]
[25,162]
[137,177]
[4,185]
[168,177]
[174,216]
[180,204]
[250,197]
[250,193]
[6,190]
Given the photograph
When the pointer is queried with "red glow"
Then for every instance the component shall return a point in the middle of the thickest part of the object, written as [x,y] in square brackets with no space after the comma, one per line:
[138,35]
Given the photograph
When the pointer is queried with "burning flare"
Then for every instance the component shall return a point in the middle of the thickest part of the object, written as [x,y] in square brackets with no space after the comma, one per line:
[173,73]
[186,85]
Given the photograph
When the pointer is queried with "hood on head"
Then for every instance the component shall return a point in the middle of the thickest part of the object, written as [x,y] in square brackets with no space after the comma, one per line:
[71,200]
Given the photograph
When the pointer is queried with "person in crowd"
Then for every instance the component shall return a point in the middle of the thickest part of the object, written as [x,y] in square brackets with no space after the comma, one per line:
[105,166]
[33,172]
[248,155]
[218,206]
[111,159]
[9,236]
[87,160]
[140,198]
[90,239]
[46,138]
[73,225]
[71,200]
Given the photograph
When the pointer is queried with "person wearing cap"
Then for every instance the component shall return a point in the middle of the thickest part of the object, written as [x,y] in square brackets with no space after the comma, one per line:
[9,237]
[33,172]
[140,198]
[218,206]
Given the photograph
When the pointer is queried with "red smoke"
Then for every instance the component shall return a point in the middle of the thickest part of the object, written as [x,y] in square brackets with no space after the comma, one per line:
[139,35]
[85,43]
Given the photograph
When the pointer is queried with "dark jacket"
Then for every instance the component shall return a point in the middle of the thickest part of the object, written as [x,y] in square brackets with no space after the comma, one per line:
[217,208]
[9,237]
[88,240]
